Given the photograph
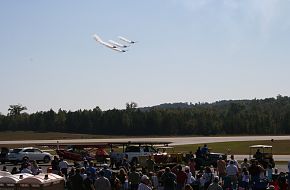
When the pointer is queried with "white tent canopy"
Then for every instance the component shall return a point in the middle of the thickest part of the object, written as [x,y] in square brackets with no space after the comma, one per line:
[13,179]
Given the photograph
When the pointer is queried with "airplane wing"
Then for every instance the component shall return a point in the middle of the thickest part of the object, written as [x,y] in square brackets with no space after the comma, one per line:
[126,40]
[118,44]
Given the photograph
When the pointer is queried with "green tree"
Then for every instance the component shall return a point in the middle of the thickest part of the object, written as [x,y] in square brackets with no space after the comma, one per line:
[130,106]
[16,109]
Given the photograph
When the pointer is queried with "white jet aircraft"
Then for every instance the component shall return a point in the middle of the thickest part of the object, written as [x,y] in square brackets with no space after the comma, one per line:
[118,44]
[111,46]
[126,40]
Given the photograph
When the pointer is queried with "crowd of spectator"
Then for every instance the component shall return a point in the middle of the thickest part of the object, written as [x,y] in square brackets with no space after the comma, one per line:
[228,174]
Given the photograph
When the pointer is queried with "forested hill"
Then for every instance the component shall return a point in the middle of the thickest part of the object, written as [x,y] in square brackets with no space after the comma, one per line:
[267,116]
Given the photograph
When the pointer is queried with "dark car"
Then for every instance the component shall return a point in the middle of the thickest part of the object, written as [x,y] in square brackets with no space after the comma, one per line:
[4,155]
[209,160]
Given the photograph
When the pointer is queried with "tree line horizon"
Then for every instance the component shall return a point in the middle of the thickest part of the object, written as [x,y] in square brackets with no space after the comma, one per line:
[269,116]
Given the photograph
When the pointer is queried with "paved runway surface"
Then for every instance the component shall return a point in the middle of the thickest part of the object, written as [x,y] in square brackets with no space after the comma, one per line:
[174,140]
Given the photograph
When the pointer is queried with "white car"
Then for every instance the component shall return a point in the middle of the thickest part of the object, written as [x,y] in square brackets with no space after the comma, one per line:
[30,153]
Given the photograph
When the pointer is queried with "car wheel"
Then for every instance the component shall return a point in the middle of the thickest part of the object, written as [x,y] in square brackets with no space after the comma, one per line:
[46,159]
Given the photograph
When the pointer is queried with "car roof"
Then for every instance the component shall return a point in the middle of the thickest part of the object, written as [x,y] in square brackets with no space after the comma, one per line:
[26,148]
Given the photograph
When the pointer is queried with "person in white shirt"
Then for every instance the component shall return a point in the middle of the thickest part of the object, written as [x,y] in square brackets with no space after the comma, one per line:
[145,183]
[235,161]
[63,165]
[190,178]
[232,173]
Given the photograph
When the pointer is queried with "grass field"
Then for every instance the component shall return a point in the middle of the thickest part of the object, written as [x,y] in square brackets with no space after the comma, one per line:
[30,135]
[281,147]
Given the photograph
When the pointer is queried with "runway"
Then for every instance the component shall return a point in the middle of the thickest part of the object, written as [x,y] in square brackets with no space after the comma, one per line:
[173,140]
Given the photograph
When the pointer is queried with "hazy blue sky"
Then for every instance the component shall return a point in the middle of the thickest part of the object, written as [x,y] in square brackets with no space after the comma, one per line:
[188,51]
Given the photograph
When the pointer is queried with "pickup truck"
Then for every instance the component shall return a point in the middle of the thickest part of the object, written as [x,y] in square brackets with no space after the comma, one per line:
[133,153]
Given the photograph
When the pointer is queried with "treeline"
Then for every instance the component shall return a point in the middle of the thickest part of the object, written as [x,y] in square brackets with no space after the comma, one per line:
[268,116]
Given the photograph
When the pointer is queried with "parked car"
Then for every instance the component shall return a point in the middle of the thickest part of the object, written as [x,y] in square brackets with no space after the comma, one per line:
[30,153]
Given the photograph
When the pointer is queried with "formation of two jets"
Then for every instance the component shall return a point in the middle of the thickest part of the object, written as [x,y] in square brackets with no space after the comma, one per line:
[115,45]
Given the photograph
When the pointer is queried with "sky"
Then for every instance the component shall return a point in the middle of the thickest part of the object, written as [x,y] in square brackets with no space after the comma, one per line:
[187,51]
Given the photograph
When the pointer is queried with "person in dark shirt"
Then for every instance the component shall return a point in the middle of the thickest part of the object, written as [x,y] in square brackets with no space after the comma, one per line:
[258,155]
[88,182]
[168,179]
[77,180]
[204,150]
[55,165]
[198,152]
[134,178]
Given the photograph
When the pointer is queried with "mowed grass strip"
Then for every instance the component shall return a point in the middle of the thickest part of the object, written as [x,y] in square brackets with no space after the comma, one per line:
[280,147]
[30,135]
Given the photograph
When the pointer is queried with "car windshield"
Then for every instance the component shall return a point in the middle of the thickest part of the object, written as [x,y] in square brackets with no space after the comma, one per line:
[16,150]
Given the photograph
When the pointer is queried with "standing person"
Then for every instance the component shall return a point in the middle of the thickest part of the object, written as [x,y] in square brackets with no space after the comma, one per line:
[150,164]
[245,164]
[181,178]
[88,182]
[232,173]
[168,179]
[113,158]
[134,178]
[215,184]
[269,172]
[107,171]
[122,176]
[115,182]
[190,178]
[221,168]
[102,183]
[198,153]
[235,161]
[70,175]
[91,169]
[77,180]
[207,177]
[192,166]
[145,183]
[245,179]
[254,171]
[204,150]
[63,166]
[83,173]
[55,165]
